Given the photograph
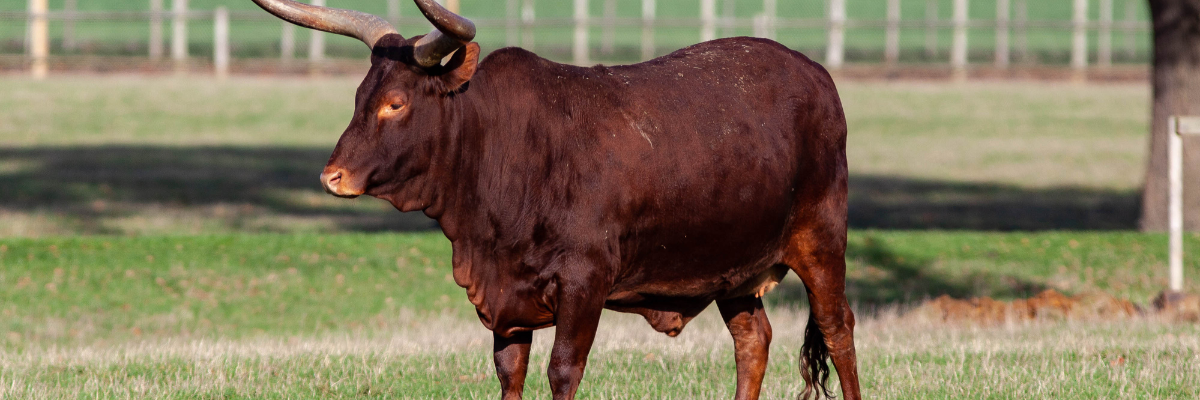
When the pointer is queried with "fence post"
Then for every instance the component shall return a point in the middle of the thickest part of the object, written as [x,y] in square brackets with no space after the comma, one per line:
[931,28]
[156,30]
[580,47]
[728,14]
[316,46]
[1175,177]
[770,10]
[221,42]
[68,42]
[39,38]
[835,51]
[708,20]
[1104,41]
[610,20]
[1177,127]
[648,11]
[527,19]
[891,52]
[1022,27]
[1079,50]
[1131,9]
[958,50]
[1002,31]
[512,18]
[287,44]
[179,39]
[393,11]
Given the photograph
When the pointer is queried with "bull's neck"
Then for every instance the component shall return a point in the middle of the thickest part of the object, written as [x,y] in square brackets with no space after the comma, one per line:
[446,189]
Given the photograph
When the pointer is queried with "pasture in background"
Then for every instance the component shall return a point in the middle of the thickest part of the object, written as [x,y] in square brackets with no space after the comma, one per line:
[168,237]
[139,35]
[136,155]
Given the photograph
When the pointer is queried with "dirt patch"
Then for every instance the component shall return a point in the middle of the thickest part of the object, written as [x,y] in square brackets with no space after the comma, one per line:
[1048,305]
[1176,306]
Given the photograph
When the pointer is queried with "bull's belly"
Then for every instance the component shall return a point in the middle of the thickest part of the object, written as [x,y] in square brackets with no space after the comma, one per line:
[750,281]
[669,306]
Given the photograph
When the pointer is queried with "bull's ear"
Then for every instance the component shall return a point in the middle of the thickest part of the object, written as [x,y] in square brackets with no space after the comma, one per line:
[461,67]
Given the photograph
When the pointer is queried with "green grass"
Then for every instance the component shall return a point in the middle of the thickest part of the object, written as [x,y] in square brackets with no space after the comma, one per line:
[258,39]
[82,289]
[174,112]
[126,155]
[889,266]
[341,316]
[899,359]
[212,266]
[1031,134]
[218,286]
[1026,133]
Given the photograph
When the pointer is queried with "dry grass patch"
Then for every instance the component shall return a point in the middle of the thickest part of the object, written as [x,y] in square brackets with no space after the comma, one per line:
[901,358]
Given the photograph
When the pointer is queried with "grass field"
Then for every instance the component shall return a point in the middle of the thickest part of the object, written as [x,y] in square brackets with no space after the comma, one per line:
[341,316]
[258,39]
[445,358]
[211,265]
[161,155]
[62,290]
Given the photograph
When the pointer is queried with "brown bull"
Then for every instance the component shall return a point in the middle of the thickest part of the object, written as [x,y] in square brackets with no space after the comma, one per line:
[656,188]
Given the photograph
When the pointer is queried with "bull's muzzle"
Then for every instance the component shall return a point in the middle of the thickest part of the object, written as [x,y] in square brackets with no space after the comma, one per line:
[335,181]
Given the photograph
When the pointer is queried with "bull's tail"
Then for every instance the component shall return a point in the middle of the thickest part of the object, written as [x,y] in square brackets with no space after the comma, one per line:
[813,365]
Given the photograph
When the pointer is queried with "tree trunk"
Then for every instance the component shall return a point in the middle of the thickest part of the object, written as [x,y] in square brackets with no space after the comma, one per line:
[1176,83]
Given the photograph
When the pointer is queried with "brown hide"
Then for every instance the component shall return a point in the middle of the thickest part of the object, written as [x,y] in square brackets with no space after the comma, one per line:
[656,188]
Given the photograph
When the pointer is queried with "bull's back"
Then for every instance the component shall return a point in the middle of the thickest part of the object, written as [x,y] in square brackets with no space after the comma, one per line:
[710,192]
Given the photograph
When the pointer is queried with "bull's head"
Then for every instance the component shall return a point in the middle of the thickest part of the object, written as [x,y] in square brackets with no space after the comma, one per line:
[402,103]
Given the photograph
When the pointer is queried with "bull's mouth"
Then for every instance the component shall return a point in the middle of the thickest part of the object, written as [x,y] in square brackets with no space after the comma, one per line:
[344,196]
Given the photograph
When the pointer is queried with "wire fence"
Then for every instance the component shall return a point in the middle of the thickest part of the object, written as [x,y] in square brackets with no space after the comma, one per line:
[608,31]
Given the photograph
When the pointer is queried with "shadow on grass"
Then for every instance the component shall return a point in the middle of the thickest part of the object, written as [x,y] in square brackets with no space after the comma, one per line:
[878,276]
[888,202]
[89,185]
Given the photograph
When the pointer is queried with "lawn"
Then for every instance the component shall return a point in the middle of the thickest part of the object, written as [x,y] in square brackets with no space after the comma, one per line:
[341,316]
[125,155]
[166,238]
[84,289]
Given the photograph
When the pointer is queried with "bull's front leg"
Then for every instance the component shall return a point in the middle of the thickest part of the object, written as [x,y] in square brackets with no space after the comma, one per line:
[511,355]
[576,319]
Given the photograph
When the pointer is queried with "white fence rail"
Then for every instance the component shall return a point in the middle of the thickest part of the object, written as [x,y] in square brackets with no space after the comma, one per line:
[521,20]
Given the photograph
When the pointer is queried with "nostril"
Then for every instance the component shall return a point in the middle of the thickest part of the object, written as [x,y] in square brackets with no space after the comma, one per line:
[332,181]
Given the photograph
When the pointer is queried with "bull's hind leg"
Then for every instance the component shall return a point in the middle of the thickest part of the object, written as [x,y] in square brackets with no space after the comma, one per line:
[747,322]
[817,253]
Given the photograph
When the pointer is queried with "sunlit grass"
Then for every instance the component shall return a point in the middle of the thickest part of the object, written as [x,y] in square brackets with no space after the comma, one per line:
[161,155]
[83,290]
[1026,134]
[106,288]
[317,315]
[899,358]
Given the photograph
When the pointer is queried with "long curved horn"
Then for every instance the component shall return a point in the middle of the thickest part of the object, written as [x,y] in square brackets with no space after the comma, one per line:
[450,32]
[362,26]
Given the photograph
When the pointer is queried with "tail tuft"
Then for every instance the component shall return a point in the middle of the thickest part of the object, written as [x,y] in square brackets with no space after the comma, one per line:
[813,367]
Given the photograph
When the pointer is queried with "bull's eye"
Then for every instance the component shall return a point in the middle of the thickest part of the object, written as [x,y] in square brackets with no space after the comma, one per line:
[391,110]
